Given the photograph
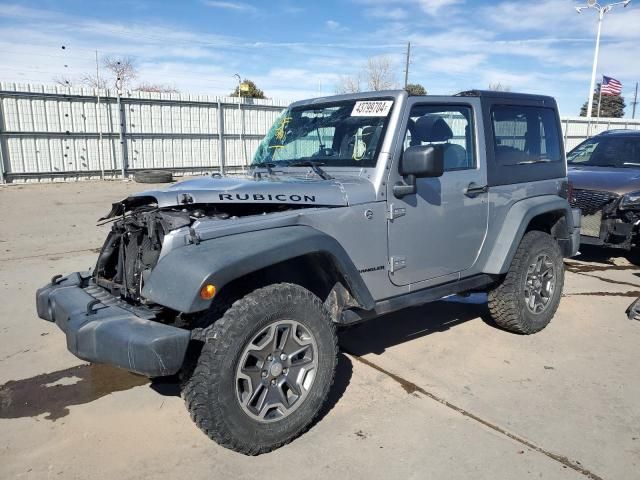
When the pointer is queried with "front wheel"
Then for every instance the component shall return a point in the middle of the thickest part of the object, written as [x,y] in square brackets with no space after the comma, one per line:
[528,296]
[264,371]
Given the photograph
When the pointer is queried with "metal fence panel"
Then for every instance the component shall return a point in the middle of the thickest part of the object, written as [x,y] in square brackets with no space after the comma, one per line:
[60,133]
[49,132]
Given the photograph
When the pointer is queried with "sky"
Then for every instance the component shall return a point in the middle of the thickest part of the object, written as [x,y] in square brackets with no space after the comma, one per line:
[295,50]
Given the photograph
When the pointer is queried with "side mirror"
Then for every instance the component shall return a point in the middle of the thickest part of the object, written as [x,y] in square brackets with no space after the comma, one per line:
[419,162]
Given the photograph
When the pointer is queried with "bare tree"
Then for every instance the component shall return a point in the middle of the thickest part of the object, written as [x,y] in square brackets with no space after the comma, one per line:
[122,69]
[93,81]
[120,73]
[157,88]
[64,81]
[348,84]
[379,73]
[499,87]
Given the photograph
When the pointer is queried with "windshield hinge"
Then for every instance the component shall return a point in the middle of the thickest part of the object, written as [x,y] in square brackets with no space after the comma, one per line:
[397,263]
[395,212]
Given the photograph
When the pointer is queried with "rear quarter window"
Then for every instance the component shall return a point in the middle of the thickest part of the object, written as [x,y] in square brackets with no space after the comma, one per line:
[524,135]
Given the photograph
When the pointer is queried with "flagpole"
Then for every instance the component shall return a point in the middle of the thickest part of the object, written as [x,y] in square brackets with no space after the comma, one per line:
[601,13]
[600,96]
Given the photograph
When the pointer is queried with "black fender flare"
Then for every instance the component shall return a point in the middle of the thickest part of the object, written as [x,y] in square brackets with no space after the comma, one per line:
[177,279]
[515,225]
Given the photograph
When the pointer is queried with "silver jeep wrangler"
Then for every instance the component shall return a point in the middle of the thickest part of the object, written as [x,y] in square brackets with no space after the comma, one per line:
[354,206]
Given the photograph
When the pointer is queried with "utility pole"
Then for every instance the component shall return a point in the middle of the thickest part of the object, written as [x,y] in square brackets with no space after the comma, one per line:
[241,120]
[98,119]
[121,130]
[635,102]
[406,67]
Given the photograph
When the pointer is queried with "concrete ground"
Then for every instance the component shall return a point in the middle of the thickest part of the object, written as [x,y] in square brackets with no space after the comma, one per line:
[431,392]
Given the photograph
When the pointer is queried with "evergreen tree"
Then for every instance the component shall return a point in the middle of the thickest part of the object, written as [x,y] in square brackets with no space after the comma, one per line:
[415,89]
[612,106]
[249,89]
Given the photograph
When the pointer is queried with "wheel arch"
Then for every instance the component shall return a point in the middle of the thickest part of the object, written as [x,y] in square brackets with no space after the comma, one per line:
[298,254]
[547,213]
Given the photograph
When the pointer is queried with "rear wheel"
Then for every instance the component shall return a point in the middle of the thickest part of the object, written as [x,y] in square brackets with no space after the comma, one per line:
[528,296]
[264,371]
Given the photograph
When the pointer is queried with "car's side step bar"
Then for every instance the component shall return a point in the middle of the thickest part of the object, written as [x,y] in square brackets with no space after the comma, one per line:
[419,297]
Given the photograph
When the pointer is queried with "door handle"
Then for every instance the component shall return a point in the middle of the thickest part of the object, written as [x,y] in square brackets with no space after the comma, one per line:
[473,189]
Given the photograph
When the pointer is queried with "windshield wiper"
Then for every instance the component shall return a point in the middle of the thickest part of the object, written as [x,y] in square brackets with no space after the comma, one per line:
[268,165]
[315,166]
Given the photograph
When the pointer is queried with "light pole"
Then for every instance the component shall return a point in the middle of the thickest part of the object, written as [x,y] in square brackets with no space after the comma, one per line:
[602,11]
[241,119]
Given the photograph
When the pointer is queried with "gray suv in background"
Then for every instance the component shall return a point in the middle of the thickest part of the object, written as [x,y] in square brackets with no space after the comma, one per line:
[354,206]
[604,172]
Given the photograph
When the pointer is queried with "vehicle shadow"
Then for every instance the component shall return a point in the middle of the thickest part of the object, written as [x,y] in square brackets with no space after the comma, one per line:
[597,254]
[378,334]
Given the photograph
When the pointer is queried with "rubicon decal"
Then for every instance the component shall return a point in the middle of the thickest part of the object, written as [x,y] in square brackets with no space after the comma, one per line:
[268,197]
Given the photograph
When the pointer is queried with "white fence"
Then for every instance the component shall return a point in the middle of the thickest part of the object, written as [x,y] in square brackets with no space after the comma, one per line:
[577,129]
[57,133]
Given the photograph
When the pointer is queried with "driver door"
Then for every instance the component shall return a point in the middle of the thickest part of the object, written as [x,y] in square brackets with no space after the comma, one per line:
[440,230]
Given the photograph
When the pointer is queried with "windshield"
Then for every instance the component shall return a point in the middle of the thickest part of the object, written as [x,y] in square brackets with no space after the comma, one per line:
[340,134]
[607,151]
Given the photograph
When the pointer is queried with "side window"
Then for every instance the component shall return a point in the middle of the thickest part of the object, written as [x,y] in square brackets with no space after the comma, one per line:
[525,135]
[446,125]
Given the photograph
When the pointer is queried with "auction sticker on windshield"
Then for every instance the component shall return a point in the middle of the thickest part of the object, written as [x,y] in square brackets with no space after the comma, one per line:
[379,108]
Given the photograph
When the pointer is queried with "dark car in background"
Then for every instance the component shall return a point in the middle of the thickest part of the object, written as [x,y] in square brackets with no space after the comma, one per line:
[604,172]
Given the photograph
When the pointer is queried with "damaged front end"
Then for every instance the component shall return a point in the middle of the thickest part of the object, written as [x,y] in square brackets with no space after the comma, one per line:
[104,313]
[608,219]
[137,237]
[133,248]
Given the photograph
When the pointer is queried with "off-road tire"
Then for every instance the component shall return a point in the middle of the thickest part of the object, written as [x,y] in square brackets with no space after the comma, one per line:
[210,392]
[153,176]
[507,300]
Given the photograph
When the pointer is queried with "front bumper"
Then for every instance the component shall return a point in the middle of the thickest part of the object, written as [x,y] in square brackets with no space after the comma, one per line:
[103,329]
[570,245]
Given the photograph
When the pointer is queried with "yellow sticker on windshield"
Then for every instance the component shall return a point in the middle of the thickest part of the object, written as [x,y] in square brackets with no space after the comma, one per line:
[281,132]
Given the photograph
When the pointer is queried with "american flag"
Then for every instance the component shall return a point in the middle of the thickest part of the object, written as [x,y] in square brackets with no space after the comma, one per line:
[610,86]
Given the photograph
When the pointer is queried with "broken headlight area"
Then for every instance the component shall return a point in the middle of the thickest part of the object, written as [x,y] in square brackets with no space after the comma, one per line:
[133,247]
[630,200]
[619,225]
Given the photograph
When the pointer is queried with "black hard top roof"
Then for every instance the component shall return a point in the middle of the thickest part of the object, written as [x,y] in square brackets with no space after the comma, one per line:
[504,95]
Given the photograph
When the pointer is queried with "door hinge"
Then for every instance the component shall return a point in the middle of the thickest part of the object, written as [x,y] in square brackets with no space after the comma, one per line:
[395,212]
[397,263]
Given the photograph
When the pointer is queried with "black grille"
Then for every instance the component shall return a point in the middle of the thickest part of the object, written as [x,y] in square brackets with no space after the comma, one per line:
[591,201]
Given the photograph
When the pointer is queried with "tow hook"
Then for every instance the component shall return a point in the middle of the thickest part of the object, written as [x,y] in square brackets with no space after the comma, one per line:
[195,239]
[57,279]
[90,305]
